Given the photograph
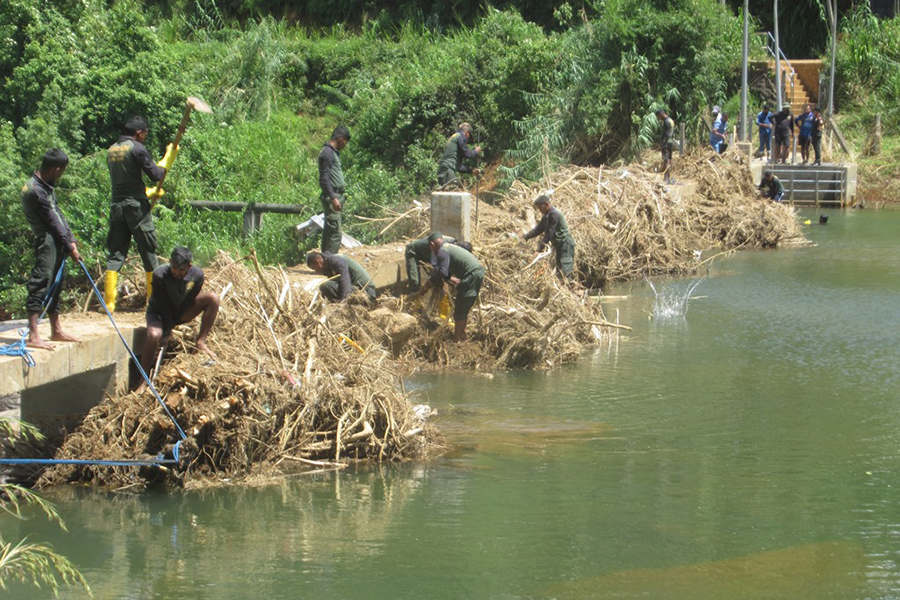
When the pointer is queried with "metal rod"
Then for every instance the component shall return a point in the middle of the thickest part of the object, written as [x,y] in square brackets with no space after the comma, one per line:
[744,132]
[833,55]
[779,98]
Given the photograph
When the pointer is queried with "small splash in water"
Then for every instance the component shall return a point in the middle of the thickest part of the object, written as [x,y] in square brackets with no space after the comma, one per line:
[673,301]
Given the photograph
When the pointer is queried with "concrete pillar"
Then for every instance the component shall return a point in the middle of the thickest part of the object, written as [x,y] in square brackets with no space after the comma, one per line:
[451,214]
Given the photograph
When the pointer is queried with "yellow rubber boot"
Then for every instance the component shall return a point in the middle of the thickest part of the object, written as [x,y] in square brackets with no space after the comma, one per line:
[149,275]
[110,290]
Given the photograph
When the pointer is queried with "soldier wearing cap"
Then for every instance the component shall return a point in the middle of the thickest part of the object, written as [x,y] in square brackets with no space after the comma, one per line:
[349,275]
[457,149]
[177,298]
[556,234]
[458,266]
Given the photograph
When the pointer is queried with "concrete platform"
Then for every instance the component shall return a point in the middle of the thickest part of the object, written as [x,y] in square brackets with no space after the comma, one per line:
[826,184]
[67,382]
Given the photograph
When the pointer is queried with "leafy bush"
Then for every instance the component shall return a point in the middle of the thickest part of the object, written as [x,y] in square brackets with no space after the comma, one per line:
[74,70]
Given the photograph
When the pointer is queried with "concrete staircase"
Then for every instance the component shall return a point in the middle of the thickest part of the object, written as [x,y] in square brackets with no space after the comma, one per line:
[806,82]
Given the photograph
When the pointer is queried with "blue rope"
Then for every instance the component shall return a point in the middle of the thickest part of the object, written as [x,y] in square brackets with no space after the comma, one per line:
[131,352]
[115,463]
[20,347]
[106,463]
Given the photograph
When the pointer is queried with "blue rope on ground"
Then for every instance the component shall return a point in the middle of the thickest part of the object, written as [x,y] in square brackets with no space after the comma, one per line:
[114,463]
[20,348]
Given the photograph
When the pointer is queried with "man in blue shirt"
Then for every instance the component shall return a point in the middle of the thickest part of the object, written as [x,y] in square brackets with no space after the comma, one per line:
[806,120]
[765,132]
[718,138]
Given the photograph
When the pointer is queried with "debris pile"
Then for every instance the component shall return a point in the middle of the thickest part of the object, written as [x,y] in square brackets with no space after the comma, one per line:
[626,226]
[301,383]
[298,384]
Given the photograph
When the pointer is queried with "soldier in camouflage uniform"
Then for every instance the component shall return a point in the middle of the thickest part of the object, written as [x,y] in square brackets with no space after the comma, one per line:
[556,234]
[457,149]
[331,180]
[53,240]
[129,213]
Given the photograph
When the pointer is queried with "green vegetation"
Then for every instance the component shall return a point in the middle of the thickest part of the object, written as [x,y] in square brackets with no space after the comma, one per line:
[566,81]
[36,564]
[867,83]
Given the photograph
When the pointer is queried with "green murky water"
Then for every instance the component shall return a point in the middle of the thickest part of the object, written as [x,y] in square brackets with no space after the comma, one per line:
[750,449]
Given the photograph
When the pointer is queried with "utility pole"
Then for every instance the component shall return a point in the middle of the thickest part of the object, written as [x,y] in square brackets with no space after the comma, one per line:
[833,16]
[744,132]
[779,98]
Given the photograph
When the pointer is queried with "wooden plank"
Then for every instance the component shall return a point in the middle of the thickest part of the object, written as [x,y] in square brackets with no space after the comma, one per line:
[842,141]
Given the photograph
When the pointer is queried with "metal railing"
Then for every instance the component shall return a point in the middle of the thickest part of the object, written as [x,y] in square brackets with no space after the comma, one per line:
[826,185]
[769,44]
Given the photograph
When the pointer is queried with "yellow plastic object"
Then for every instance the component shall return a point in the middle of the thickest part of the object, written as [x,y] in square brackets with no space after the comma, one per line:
[149,276]
[110,289]
[444,309]
[169,158]
[350,342]
[155,193]
[807,222]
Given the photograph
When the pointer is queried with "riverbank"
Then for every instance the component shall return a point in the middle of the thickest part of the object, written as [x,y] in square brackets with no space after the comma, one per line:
[303,383]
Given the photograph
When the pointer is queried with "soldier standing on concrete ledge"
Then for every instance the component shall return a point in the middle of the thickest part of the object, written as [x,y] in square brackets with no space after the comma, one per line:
[458,266]
[350,275]
[331,181]
[53,239]
[177,298]
[457,149]
[129,213]
[556,234]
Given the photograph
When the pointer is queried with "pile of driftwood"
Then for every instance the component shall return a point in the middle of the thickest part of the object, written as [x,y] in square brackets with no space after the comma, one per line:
[298,384]
[626,226]
[301,383]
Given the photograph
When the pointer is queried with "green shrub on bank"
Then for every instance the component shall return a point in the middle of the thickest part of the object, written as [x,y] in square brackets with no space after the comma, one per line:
[868,67]
[617,70]
[74,71]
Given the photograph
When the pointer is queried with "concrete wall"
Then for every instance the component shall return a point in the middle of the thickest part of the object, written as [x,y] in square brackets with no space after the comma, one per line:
[66,383]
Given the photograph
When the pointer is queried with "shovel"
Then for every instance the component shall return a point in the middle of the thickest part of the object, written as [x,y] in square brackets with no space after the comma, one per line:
[193,103]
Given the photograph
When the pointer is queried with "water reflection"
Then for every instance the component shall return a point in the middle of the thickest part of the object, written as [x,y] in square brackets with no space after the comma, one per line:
[294,530]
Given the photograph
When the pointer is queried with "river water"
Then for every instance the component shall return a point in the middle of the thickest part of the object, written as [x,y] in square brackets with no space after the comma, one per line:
[749,448]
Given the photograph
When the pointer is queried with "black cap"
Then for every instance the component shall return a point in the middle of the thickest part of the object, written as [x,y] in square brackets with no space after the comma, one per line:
[435,236]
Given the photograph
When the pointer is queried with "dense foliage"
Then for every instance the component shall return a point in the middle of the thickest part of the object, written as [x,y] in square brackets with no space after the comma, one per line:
[72,71]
